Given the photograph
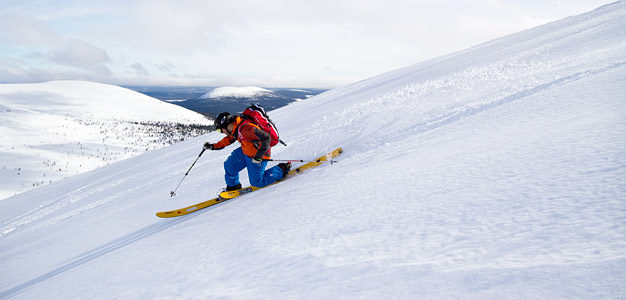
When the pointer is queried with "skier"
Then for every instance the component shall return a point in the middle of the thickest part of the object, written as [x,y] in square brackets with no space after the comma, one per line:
[253,153]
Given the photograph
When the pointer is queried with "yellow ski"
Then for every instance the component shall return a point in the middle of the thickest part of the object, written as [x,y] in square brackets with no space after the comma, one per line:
[189,209]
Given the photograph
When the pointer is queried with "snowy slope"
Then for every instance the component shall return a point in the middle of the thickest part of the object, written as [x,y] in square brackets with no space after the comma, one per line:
[57,129]
[498,172]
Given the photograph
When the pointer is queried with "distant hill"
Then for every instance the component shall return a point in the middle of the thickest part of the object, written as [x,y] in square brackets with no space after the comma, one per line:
[56,129]
[210,101]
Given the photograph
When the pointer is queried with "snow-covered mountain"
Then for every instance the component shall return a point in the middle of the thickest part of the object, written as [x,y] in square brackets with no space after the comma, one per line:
[497,172]
[236,92]
[236,99]
[56,129]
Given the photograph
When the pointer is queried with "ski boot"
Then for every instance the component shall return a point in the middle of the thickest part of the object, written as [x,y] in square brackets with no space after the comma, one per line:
[232,188]
[285,167]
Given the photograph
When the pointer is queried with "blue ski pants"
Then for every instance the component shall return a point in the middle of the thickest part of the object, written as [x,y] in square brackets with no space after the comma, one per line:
[259,177]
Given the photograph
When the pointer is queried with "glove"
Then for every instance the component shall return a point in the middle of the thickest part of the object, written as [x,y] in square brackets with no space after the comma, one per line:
[257,160]
[209,146]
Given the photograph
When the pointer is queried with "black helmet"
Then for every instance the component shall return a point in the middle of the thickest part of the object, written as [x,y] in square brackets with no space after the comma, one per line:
[222,120]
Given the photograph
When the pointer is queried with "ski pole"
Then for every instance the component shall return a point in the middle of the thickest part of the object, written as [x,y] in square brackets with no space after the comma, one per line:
[173,193]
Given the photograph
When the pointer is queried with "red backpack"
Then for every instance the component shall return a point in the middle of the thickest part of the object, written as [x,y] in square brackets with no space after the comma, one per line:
[256,114]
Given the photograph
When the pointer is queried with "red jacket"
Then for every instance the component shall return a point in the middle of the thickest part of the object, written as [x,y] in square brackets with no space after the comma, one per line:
[254,141]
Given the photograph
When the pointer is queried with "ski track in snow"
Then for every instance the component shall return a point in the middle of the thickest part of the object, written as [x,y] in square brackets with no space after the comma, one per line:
[498,172]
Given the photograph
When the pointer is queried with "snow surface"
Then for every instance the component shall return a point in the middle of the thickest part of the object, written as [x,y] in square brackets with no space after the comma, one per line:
[52,130]
[236,92]
[498,172]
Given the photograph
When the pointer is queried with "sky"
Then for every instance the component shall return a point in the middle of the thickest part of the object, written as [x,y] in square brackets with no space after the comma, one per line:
[270,43]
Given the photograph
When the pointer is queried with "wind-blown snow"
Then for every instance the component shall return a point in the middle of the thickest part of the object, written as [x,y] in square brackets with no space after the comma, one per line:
[498,172]
[236,92]
[56,129]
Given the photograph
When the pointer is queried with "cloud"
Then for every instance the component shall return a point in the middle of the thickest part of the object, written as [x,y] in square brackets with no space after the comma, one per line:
[23,30]
[166,66]
[139,69]
[78,54]
[35,50]
[252,42]
[14,71]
